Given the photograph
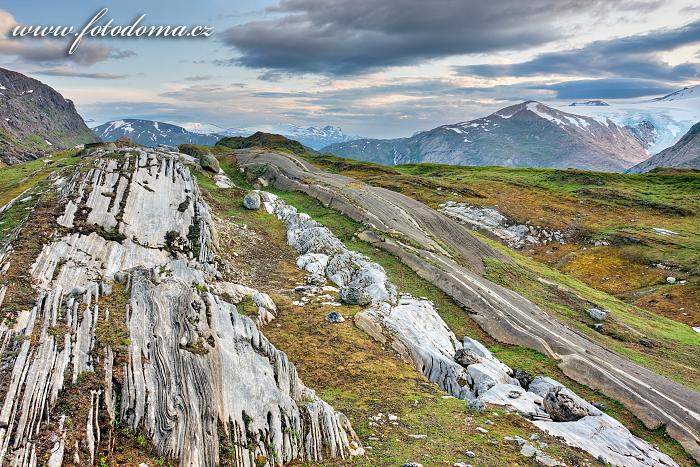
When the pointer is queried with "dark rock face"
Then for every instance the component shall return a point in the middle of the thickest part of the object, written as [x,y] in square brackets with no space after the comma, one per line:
[529,134]
[562,407]
[36,120]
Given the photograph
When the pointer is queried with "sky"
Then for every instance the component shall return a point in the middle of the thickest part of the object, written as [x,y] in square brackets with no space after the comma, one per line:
[375,68]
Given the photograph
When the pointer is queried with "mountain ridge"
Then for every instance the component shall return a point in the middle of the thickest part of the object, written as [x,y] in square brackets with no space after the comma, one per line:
[529,134]
[685,154]
[35,119]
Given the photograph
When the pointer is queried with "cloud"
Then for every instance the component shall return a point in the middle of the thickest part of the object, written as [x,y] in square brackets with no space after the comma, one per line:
[344,37]
[632,57]
[78,74]
[613,88]
[51,52]
[199,78]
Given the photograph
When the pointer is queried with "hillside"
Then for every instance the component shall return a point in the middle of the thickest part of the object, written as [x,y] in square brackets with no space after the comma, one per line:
[685,154]
[35,119]
[161,278]
[530,134]
[150,133]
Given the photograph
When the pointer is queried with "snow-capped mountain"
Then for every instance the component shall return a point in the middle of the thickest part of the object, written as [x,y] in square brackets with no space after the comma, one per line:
[150,133]
[313,137]
[658,123]
[529,134]
[688,92]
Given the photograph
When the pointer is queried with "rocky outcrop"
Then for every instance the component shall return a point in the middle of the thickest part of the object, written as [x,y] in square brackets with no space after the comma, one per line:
[35,119]
[489,219]
[466,370]
[132,323]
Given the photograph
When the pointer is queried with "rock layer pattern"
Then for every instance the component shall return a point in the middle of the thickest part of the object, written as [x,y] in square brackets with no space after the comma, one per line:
[125,320]
[466,370]
[452,259]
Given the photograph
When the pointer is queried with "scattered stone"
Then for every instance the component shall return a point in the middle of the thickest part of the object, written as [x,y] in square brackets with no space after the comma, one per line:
[599,406]
[562,407]
[470,454]
[597,314]
[418,436]
[481,430]
[534,437]
[671,280]
[334,317]
[466,357]
[514,394]
[412,464]
[252,200]
[598,327]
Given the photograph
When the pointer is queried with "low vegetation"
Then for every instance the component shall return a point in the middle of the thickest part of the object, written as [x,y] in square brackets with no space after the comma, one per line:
[625,233]
[263,140]
[368,379]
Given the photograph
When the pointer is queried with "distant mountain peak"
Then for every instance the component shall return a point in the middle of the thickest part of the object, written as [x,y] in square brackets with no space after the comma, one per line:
[592,103]
[688,92]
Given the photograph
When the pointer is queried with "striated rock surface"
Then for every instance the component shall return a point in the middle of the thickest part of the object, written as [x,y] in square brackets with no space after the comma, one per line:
[466,370]
[131,324]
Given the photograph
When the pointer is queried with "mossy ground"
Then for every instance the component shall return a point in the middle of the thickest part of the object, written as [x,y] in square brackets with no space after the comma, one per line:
[359,377]
[620,209]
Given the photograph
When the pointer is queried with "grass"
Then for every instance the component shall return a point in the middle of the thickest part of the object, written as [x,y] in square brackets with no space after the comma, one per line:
[367,381]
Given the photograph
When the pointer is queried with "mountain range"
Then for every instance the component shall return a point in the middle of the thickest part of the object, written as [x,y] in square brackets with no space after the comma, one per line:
[35,119]
[529,134]
[152,133]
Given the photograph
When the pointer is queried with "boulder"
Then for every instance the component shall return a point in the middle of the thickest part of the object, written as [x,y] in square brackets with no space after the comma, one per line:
[597,314]
[355,296]
[209,163]
[562,407]
[251,200]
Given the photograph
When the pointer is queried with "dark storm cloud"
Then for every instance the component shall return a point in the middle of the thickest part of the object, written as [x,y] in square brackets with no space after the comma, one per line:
[339,37]
[613,88]
[633,57]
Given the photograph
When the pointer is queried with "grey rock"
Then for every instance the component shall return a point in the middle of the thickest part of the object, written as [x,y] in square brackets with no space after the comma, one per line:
[354,296]
[470,454]
[251,201]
